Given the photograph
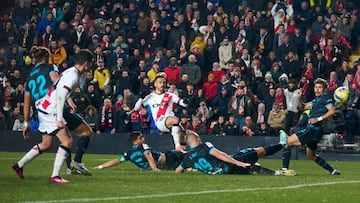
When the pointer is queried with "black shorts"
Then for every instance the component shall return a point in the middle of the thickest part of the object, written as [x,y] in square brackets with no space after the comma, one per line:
[247,155]
[73,120]
[310,136]
[173,159]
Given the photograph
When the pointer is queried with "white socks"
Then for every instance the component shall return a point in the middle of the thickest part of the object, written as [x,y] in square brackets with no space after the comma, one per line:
[60,157]
[175,132]
[29,156]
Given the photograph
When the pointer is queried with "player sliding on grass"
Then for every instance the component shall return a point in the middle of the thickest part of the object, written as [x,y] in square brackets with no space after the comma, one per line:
[207,159]
[161,105]
[144,157]
[322,108]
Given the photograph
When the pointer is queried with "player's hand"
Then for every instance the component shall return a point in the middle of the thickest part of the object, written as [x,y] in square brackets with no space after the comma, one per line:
[60,124]
[26,132]
[98,132]
[242,164]
[313,120]
[73,108]
[156,170]
[112,131]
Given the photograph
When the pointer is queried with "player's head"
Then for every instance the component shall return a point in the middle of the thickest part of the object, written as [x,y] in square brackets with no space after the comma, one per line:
[136,138]
[40,54]
[192,138]
[160,83]
[83,58]
[320,86]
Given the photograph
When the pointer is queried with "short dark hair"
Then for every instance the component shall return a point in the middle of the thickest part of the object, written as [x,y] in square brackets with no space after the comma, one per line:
[159,76]
[133,136]
[83,56]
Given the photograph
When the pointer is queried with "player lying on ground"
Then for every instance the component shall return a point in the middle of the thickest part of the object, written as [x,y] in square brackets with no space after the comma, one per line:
[144,157]
[209,160]
[322,108]
[161,105]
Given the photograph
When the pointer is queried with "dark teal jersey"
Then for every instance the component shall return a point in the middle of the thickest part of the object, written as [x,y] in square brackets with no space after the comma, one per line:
[199,158]
[320,105]
[136,156]
[39,80]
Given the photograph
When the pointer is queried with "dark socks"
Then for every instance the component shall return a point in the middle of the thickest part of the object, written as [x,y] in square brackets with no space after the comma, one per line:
[323,163]
[81,148]
[286,158]
[263,171]
[68,160]
[272,149]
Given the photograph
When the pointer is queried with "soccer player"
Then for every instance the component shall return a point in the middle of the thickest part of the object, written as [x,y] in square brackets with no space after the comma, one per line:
[144,157]
[40,79]
[79,126]
[161,105]
[209,160]
[322,108]
[50,110]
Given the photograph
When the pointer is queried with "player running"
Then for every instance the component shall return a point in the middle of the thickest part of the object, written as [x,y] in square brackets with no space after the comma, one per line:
[144,157]
[161,105]
[40,79]
[50,111]
[209,160]
[322,108]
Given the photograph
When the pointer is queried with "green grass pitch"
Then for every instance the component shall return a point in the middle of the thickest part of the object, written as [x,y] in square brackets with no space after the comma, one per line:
[125,183]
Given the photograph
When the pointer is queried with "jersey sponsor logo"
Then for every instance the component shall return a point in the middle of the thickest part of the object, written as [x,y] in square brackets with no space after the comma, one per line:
[164,105]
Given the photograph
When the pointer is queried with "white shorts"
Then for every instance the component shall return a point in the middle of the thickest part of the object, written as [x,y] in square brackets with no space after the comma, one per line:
[47,123]
[160,124]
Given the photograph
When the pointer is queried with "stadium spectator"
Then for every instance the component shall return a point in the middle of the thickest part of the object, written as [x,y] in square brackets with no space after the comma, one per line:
[225,52]
[54,9]
[292,99]
[219,126]
[210,87]
[18,123]
[173,71]
[260,116]
[92,118]
[107,118]
[101,75]
[276,119]
[220,103]
[44,23]
[57,53]
[192,70]
[197,125]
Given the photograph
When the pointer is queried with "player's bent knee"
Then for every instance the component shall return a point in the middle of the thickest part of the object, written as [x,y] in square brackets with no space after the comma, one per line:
[260,151]
[83,130]
[44,146]
[173,120]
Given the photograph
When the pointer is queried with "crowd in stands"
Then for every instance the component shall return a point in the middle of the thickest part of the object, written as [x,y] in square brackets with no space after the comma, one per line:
[245,66]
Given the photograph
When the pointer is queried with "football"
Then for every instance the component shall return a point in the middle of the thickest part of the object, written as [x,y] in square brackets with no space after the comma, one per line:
[341,95]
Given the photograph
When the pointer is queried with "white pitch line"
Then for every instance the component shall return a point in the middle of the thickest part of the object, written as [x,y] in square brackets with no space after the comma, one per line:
[194,193]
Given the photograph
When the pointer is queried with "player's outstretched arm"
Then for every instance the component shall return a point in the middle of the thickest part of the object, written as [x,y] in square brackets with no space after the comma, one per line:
[151,161]
[226,158]
[108,164]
